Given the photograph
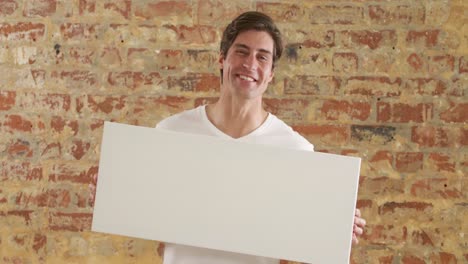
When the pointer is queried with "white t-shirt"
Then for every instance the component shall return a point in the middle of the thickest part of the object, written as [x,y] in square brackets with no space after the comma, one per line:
[272,132]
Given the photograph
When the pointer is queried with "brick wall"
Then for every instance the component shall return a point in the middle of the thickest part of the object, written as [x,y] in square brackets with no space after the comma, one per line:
[382,80]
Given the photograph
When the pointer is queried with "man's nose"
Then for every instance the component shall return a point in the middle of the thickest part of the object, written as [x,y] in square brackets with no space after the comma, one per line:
[250,63]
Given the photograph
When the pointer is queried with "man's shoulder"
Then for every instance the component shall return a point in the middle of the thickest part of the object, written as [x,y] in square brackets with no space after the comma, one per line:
[287,135]
[184,117]
[190,121]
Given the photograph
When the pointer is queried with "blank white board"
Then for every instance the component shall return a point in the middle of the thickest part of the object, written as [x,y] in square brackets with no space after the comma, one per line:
[213,193]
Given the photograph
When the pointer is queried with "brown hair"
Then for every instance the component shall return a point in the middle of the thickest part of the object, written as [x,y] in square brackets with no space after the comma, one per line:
[248,21]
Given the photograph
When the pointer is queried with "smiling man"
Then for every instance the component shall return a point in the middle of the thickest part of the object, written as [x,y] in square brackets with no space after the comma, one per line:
[250,47]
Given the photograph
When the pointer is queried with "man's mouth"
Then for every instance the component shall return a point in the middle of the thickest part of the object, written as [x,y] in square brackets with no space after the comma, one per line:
[246,78]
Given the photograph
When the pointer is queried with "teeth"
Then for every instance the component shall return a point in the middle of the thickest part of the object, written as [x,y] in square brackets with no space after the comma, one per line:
[246,78]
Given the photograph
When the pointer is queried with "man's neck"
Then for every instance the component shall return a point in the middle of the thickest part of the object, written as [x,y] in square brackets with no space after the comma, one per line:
[236,118]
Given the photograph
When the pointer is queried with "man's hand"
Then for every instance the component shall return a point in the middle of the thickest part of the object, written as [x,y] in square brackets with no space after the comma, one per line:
[92,191]
[358,227]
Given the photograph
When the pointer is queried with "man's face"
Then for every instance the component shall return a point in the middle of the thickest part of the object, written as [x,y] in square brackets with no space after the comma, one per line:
[247,67]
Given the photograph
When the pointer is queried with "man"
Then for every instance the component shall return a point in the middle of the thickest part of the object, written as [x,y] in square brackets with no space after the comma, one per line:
[250,47]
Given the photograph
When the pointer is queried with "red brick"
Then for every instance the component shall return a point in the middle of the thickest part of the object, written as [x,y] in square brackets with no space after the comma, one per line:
[372,86]
[14,260]
[457,87]
[41,8]
[166,59]
[336,14]
[74,222]
[336,110]
[386,260]
[441,64]
[369,39]
[193,35]
[52,151]
[20,148]
[21,31]
[43,198]
[208,58]
[345,62]
[39,243]
[390,207]
[87,6]
[81,55]
[73,173]
[457,113]
[324,134]
[121,7]
[220,12]
[18,123]
[397,14]
[95,124]
[281,12]
[79,149]
[106,104]
[110,57]
[436,188]
[381,161]
[8,7]
[293,110]
[23,171]
[204,101]
[362,204]
[378,63]
[404,113]
[426,86]
[463,64]
[146,32]
[170,104]
[419,237]
[25,215]
[7,100]
[163,9]
[58,124]
[380,186]
[409,161]
[412,260]
[3,200]
[370,134]
[46,102]
[195,82]
[385,234]
[463,137]
[76,79]
[430,136]
[441,162]
[416,62]
[311,85]
[77,31]
[428,38]
[444,258]
[382,155]
[134,80]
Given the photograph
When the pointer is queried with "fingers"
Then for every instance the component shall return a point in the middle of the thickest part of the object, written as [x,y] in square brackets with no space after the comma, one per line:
[355,239]
[357,212]
[361,222]
[357,231]
[92,194]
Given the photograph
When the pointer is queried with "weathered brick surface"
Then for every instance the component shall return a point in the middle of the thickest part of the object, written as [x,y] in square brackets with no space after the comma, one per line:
[382,80]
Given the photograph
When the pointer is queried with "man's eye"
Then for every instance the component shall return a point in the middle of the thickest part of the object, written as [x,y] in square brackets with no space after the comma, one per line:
[242,52]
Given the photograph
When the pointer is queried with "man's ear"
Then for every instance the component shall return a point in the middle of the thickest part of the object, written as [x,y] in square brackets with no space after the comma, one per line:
[221,61]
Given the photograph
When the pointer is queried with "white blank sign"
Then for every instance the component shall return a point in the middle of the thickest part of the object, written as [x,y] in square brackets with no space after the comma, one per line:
[219,194]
